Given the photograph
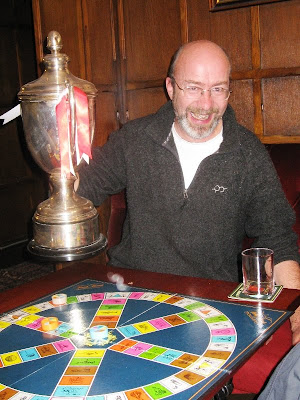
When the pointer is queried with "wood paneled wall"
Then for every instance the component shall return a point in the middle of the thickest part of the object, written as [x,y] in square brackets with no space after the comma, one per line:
[124,48]
[21,181]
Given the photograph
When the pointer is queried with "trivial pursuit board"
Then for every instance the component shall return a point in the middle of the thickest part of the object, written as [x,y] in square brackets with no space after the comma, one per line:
[157,345]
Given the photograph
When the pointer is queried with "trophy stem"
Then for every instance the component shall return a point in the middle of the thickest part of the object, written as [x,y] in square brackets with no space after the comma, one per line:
[66,226]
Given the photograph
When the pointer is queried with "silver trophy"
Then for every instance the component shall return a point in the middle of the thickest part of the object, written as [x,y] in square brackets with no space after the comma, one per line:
[58,113]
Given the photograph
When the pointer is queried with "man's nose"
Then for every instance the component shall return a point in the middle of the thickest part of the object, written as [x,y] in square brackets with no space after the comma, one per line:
[205,100]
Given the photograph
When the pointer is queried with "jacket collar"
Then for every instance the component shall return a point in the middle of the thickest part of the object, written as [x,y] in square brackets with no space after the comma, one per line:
[160,128]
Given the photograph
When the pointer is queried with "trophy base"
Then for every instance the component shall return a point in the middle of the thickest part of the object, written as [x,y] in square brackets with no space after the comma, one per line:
[67,254]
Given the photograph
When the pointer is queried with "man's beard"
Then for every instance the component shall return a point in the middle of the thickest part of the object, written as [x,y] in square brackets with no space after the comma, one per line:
[198,131]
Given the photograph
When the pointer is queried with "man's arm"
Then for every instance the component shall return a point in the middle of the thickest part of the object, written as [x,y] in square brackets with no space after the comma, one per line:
[106,172]
[287,274]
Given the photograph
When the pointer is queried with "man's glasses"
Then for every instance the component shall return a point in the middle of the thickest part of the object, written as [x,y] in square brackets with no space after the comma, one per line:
[195,92]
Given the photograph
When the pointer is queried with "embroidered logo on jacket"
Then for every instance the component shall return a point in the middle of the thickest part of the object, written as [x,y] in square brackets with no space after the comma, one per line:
[219,188]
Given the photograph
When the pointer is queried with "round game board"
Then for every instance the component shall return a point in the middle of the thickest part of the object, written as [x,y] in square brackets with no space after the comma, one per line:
[156,345]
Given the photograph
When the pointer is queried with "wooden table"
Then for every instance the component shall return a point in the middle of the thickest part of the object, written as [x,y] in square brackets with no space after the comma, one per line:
[208,289]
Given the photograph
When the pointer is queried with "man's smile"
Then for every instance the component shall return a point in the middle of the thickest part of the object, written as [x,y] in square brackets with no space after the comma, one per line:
[201,117]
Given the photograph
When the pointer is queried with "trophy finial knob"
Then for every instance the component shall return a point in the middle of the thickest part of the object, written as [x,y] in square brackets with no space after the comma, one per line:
[54,42]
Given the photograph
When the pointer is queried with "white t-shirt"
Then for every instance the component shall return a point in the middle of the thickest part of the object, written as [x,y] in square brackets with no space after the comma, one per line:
[191,154]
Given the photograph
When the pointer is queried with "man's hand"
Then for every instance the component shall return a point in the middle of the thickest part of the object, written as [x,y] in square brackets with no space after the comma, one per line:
[295,326]
[287,274]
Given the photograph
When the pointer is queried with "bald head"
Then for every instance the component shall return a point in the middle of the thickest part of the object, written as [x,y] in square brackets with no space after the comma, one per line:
[200,51]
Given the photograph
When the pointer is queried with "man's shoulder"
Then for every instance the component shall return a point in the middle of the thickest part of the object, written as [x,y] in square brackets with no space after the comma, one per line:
[253,151]
[249,138]
[248,145]
[239,136]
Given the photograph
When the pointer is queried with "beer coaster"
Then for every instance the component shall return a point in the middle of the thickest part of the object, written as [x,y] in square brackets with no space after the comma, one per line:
[238,294]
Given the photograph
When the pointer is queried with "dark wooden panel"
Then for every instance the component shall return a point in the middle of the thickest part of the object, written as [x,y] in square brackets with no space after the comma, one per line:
[66,18]
[12,162]
[7,16]
[8,69]
[198,17]
[26,55]
[230,29]
[17,216]
[22,186]
[152,34]
[100,42]
[281,97]
[280,34]
[144,102]
[241,100]
[21,181]
[23,12]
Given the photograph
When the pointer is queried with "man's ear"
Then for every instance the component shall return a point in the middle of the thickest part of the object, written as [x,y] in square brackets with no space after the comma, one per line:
[169,87]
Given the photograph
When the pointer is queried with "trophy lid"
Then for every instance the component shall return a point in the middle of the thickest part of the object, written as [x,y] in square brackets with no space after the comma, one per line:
[56,76]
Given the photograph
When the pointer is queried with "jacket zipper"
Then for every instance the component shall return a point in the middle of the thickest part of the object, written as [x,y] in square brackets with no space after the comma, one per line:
[185,192]
[185,198]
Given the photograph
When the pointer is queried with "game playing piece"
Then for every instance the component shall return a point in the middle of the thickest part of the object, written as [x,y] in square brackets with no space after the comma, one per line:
[99,332]
[49,324]
[59,299]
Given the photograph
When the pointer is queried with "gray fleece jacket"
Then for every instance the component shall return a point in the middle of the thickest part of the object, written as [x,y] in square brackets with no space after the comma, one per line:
[198,232]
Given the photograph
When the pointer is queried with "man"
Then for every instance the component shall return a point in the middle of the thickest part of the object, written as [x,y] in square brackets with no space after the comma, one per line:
[196,181]
[285,380]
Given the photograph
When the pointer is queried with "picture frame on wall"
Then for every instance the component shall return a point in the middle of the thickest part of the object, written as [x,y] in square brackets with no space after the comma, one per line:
[218,5]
